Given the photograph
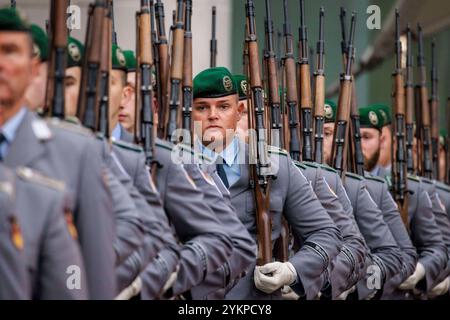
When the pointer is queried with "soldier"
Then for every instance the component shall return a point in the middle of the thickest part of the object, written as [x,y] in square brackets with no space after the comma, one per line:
[384,113]
[216,107]
[59,151]
[422,222]
[35,94]
[242,128]
[75,52]
[384,251]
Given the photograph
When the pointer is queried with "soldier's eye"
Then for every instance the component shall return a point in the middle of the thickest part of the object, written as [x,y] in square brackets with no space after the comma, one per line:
[224,106]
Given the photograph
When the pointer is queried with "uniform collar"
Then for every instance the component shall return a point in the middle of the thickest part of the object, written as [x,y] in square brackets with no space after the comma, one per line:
[228,154]
[9,129]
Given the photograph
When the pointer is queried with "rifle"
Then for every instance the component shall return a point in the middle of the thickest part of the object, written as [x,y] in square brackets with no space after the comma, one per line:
[305,88]
[409,91]
[319,92]
[291,87]
[155,53]
[260,172]
[447,144]
[427,169]
[176,71]
[338,152]
[58,60]
[213,42]
[87,102]
[105,66]
[272,75]
[187,68]
[399,173]
[13,4]
[144,91]
[434,103]
[162,67]
[114,34]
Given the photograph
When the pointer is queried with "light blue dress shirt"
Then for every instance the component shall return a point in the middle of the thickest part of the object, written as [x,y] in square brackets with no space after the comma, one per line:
[117,131]
[230,156]
[9,130]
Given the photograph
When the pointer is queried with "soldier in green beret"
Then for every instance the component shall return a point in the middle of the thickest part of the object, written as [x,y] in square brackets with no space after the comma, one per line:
[384,111]
[371,137]
[127,109]
[35,94]
[442,136]
[328,128]
[75,51]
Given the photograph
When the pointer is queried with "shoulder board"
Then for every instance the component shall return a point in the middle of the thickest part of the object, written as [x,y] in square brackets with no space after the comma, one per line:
[73,120]
[311,164]
[413,177]
[126,145]
[328,168]
[7,187]
[442,186]
[31,175]
[41,129]
[276,150]
[389,181]
[354,176]
[164,144]
[299,164]
[375,178]
[70,126]
[426,180]
[100,136]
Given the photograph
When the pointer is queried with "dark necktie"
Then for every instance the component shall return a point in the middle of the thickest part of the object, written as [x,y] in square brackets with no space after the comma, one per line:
[221,171]
[2,140]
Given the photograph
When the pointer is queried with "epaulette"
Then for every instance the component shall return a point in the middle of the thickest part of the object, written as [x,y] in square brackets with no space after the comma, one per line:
[73,120]
[389,181]
[413,177]
[126,145]
[41,129]
[443,186]
[276,150]
[31,175]
[426,180]
[7,187]
[164,144]
[299,164]
[375,178]
[311,164]
[70,126]
[354,176]
[328,168]
[99,136]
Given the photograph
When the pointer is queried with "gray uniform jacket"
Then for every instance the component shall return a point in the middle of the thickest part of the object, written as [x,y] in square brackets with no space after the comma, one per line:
[292,196]
[14,279]
[66,152]
[347,267]
[444,194]
[379,192]
[217,283]
[51,248]
[206,246]
[384,251]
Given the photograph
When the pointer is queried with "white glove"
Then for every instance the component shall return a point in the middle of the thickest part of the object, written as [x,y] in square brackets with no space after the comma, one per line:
[274,275]
[440,289]
[288,294]
[413,279]
[345,294]
[171,280]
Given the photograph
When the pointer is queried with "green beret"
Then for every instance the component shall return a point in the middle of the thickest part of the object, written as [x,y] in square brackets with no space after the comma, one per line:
[329,111]
[40,40]
[13,20]
[214,83]
[130,60]
[75,52]
[442,135]
[118,58]
[384,111]
[370,117]
[241,83]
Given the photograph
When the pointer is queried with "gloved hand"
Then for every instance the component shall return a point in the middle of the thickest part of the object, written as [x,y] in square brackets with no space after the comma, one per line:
[288,294]
[440,289]
[345,294]
[274,275]
[171,280]
[413,279]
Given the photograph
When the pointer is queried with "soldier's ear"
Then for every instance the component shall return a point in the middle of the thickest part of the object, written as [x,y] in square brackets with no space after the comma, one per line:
[240,109]
[35,61]
[127,93]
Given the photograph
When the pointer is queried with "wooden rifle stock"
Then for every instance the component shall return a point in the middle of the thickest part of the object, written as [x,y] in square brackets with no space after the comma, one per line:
[291,88]
[260,173]
[176,72]
[319,92]
[58,59]
[409,96]
[305,89]
[434,108]
[87,110]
